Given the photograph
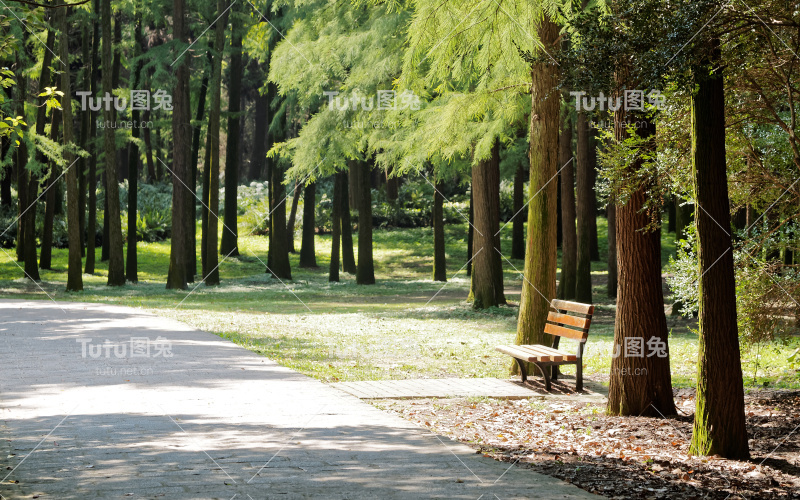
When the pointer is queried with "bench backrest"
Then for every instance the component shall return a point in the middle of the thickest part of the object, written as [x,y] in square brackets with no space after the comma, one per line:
[563,324]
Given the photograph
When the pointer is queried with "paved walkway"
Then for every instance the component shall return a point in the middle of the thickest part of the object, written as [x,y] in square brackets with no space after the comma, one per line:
[109,402]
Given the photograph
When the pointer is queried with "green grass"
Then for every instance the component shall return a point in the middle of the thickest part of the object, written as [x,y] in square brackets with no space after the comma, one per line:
[405,326]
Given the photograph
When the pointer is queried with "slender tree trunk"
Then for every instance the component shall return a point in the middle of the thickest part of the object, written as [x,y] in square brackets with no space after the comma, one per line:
[132,261]
[683,217]
[471,232]
[439,256]
[670,214]
[336,224]
[594,248]
[348,255]
[612,250]
[518,227]
[365,272]
[29,187]
[494,199]
[91,225]
[583,272]
[75,266]
[192,202]
[181,143]
[719,422]
[85,118]
[293,217]
[45,258]
[640,382]
[204,207]
[230,231]
[258,159]
[148,150]
[308,254]
[5,183]
[541,259]
[116,266]
[569,247]
[392,186]
[211,272]
[279,250]
[353,190]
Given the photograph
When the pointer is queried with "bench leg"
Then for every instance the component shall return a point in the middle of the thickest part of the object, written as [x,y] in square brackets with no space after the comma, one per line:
[545,375]
[522,371]
[579,376]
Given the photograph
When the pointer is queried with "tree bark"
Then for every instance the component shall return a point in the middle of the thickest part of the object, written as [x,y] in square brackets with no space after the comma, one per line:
[639,384]
[116,266]
[365,271]
[132,261]
[181,144]
[75,266]
[487,278]
[594,248]
[541,258]
[91,181]
[206,185]
[569,247]
[346,229]
[193,167]
[471,231]
[308,254]
[45,258]
[583,271]
[437,217]
[293,217]
[612,251]
[336,224]
[279,250]
[230,231]
[28,201]
[258,158]
[211,271]
[719,422]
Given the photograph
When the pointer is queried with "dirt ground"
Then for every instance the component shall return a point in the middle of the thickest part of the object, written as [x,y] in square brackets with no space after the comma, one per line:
[625,457]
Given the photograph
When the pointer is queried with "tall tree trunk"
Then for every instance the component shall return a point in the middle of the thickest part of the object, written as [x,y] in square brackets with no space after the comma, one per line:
[85,118]
[132,262]
[670,214]
[230,231]
[148,150]
[91,225]
[569,247]
[541,258]
[293,217]
[439,256]
[196,131]
[640,382]
[486,286]
[45,258]
[392,186]
[181,143]
[308,254]
[719,422]
[494,197]
[471,231]
[75,266]
[204,207]
[258,158]
[683,217]
[30,188]
[211,271]
[45,261]
[583,272]
[353,190]
[594,248]
[348,255]
[365,272]
[340,178]
[5,183]
[612,250]
[116,266]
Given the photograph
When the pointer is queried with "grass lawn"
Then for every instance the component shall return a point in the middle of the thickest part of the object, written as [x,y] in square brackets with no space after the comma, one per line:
[405,326]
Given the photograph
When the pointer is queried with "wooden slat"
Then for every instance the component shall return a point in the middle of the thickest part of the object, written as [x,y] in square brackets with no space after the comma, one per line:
[532,353]
[576,307]
[565,319]
[564,332]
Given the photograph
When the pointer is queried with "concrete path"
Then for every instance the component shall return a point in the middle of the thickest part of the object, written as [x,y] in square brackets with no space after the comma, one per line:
[109,402]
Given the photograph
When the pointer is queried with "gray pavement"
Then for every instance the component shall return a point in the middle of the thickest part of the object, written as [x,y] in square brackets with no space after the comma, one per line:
[101,401]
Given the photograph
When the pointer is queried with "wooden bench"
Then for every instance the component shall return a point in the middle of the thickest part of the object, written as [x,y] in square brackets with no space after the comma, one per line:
[560,323]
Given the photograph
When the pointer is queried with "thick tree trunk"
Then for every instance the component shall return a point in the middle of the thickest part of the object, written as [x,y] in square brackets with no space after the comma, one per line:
[569,247]
[293,217]
[181,143]
[518,225]
[308,253]
[437,217]
[75,266]
[348,253]
[640,382]
[471,232]
[612,251]
[336,224]
[365,271]
[45,258]
[719,422]
[230,231]
[583,271]
[116,266]
[211,272]
[487,278]
[541,258]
